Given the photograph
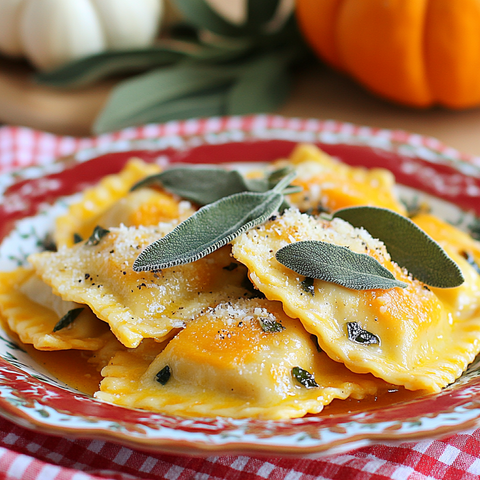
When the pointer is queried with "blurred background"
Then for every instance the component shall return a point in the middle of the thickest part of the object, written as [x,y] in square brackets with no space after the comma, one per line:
[83,67]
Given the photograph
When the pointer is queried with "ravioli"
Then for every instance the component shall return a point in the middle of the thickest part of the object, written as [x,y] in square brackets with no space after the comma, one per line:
[32,311]
[328,184]
[241,359]
[139,305]
[194,339]
[103,356]
[145,207]
[84,215]
[465,251]
[406,336]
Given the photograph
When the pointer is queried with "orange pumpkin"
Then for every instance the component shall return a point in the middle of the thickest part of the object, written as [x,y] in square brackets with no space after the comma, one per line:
[414,52]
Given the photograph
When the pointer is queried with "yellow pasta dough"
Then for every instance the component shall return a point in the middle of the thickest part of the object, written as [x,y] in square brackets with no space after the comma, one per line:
[419,342]
[96,201]
[139,305]
[238,360]
[328,184]
[32,311]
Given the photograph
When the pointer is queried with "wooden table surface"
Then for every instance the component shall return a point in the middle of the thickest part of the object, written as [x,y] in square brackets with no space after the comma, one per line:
[318,92]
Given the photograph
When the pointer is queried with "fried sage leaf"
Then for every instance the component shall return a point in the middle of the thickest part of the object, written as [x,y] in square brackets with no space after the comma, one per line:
[97,235]
[67,319]
[270,326]
[315,342]
[336,264]
[358,335]
[407,244]
[77,238]
[308,285]
[211,227]
[163,376]
[304,377]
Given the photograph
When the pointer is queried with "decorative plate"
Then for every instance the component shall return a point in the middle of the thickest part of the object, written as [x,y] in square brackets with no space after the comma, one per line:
[30,200]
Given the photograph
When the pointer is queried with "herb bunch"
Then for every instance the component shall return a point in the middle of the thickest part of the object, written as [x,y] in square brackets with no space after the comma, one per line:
[242,69]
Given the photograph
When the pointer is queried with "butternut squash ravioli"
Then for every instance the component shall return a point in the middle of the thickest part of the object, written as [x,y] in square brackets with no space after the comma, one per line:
[233,332]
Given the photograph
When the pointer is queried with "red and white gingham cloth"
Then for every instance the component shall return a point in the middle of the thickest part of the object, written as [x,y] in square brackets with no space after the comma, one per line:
[29,455]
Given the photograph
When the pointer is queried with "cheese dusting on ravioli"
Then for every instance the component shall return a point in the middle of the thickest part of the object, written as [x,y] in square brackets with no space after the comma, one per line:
[236,360]
[139,305]
[410,329]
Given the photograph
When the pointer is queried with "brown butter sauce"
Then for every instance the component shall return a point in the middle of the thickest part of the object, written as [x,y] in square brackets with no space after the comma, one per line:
[72,367]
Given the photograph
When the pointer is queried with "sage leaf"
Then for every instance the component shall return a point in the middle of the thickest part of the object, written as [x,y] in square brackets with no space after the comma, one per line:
[202,185]
[304,377]
[67,319]
[208,229]
[212,227]
[358,335]
[265,81]
[201,104]
[407,244]
[48,244]
[277,176]
[336,264]
[89,69]
[166,52]
[270,326]
[97,235]
[308,286]
[163,376]
[77,238]
[130,99]
[207,184]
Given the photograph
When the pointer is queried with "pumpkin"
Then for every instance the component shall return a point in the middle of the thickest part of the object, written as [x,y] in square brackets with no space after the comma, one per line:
[52,32]
[414,52]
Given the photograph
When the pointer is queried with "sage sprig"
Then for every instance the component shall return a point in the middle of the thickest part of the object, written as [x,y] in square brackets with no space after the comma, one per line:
[407,244]
[232,204]
[212,227]
[336,264]
[205,65]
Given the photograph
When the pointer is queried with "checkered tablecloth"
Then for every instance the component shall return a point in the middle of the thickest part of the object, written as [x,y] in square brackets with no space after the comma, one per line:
[27,454]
